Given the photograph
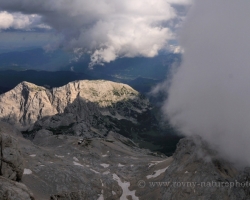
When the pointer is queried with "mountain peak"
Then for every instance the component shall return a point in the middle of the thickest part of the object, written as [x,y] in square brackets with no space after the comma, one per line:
[29,86]
[27,102]
[102,92]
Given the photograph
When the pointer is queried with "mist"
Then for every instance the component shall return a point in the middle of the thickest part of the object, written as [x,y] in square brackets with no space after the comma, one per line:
[209,95]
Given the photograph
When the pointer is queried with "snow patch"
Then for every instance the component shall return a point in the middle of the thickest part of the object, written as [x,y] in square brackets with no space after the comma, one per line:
[33,155]
[27,171]
[157,173]
[155,163]
[105,155]
[59,156]
[125,188]
[101,197]
[77,164]
[106,172]
[120,165]
[94,171]
[104,165]
[75,159]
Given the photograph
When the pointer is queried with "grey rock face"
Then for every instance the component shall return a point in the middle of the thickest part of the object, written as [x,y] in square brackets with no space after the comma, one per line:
[67,167]
[11,166]
[42,137]
[27,103]
[80,195]
[198,173]
[11,160]
[82,108]
[23,105]
[9,129]
[10,190]
[60,167]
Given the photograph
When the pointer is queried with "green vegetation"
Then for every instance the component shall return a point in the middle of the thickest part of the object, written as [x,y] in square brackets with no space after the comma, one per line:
[116,93]
[94,92]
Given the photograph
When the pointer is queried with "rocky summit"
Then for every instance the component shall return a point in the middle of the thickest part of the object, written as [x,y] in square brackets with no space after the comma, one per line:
[83,108]
[79,104]
[65,144]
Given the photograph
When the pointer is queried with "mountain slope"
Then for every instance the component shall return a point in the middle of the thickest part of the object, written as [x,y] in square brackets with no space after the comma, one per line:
[27,103]
[63,167]
[87,109]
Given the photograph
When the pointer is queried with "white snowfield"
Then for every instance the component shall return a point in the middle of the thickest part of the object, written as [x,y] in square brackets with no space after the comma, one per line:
[157,173]
[125,188]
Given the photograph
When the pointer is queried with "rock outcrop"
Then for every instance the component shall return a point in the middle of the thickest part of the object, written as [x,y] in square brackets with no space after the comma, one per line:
[11,163]
[82,108]
[78,100]
[11,166]
[11,190]
[197,172]
[71,196]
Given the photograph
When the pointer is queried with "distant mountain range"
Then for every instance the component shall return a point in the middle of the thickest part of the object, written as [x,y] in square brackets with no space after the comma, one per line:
[10,78]
[34,59]
[155,68]
[54,69]
[122,68]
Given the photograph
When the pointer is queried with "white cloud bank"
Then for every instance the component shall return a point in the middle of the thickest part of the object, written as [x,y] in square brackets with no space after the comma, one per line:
[107,29]
[209,94]
[19,21]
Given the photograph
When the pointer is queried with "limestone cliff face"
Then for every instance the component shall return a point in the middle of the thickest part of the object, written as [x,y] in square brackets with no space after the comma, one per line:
[27,103]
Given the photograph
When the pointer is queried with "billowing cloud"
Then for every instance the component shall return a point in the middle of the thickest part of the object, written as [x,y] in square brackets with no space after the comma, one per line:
[107,29]
[6,20]
[209,94]
[19,21]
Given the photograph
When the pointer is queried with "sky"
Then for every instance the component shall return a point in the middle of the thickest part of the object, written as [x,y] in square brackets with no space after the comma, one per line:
[104,29]
[209,94]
